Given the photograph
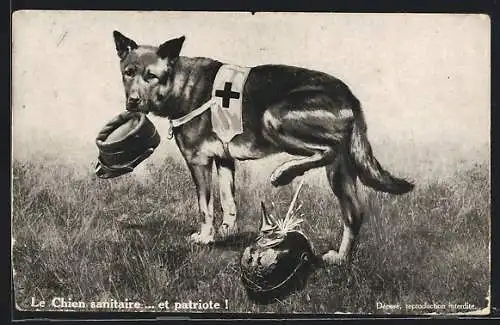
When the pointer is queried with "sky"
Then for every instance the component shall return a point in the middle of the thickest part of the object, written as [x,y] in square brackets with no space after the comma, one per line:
[423,79]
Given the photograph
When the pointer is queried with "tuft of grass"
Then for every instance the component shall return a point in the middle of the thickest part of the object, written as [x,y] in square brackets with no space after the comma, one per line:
[87,239]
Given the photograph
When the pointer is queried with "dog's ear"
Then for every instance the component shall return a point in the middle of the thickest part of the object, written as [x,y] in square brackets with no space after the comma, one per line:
[171,49]
[123,44]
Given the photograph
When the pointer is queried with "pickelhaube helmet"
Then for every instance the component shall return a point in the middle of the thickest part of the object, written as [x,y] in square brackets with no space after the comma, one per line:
[281,258]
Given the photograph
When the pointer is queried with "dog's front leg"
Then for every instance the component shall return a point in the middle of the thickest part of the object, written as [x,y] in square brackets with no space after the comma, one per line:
[225,170]
[202,176]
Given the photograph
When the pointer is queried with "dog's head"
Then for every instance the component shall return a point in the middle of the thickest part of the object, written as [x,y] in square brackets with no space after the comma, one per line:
[147,71]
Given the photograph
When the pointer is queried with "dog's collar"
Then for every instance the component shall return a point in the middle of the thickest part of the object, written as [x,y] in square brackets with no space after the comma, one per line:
[174,123]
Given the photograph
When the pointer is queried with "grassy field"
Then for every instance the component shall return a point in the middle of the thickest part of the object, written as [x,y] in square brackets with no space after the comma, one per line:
[87,239]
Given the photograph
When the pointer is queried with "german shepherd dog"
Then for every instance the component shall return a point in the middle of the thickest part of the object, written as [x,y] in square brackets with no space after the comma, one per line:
[286,109]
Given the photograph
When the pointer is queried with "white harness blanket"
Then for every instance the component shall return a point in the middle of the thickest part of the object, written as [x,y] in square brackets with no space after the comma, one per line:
[227,98]
[225,104]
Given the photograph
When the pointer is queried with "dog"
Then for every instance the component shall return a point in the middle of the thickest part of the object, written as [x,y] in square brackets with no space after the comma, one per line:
[308,114]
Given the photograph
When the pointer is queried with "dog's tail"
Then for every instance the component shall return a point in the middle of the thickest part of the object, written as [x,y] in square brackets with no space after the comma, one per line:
[369,170]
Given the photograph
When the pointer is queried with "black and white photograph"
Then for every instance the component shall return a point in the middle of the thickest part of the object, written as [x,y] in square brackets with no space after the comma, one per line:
[238,162]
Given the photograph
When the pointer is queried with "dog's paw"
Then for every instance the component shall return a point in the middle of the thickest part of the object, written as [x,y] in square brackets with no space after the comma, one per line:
[202,238]
[226,230]
[286,173]
[281,177]
[333,258]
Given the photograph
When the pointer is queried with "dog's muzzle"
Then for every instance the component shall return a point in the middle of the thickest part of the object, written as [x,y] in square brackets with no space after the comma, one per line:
[133,106]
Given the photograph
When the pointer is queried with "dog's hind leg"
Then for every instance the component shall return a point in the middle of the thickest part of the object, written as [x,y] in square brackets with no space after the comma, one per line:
[342,179]
[225,169]
[287,171]
[202,175]
[311,127]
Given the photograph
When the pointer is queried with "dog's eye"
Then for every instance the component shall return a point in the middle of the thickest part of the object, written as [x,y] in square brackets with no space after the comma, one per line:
[129,72]
[150,76]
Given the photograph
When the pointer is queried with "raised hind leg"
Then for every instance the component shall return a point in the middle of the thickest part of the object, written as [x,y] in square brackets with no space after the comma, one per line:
[310,126]
[342,179]
[287,171]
